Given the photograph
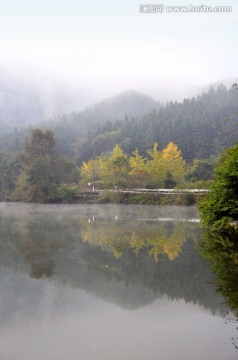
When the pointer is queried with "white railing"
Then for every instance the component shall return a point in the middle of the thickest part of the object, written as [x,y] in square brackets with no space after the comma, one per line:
[173,191]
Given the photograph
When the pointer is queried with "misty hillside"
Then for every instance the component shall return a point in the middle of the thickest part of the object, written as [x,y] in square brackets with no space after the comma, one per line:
[76,125]
[200,126]
[128,103]
[228,83]
[28,100]
[70,126]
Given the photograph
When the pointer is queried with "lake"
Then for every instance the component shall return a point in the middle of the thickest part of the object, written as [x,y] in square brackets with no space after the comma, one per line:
[108,282]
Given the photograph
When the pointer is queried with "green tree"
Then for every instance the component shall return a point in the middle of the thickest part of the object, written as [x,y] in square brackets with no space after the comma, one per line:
[43,170]
[220,207]
[9,170]
[200,170]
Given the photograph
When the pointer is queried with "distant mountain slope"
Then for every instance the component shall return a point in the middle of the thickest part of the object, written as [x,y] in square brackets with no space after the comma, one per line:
[200,126]
[225,82]
[130,103]
[125,105]
[79,124]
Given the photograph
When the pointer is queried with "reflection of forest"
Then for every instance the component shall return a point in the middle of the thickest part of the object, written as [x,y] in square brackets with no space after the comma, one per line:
[124,262]
[221,250]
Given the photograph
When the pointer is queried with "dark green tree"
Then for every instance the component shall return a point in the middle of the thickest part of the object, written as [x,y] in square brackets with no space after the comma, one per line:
[43,170]
[200,170]
[220,207]
[9,170]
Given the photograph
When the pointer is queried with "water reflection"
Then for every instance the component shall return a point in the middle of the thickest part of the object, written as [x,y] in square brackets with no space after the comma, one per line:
[221,250]
[167,239]
[70,276]
[123,254]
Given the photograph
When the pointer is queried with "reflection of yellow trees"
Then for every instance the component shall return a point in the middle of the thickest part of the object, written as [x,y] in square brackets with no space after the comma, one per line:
[107,236]
[156,238]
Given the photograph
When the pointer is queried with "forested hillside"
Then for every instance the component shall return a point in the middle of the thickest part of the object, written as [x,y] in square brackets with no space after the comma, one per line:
[165,147]
[200,126]
[77,125]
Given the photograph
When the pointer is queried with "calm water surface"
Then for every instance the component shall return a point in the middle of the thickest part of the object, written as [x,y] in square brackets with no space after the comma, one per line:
[108,283]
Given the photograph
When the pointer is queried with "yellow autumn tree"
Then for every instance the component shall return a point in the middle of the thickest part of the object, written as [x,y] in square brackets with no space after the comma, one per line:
[138,172]
[166,167]
[154,167]
[163,169]
[116,168]
[174,165]
[92,170]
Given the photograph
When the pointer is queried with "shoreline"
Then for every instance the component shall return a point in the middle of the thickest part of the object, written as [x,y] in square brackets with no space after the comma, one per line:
[124,197]
[127,198]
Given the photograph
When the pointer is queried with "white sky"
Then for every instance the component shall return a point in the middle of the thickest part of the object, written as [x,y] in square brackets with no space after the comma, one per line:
[109,44]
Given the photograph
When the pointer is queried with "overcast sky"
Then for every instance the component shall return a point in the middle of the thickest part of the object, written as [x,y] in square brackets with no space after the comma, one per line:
[111,45]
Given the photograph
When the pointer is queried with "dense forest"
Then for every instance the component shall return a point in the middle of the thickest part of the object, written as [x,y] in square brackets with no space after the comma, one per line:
[200,126]
[129,133]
